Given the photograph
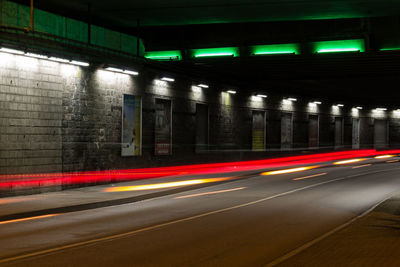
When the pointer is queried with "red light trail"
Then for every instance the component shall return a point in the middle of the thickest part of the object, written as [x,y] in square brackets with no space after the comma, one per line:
[56,179]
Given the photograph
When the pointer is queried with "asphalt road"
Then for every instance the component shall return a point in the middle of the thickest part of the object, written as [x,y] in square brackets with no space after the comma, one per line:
[246,222]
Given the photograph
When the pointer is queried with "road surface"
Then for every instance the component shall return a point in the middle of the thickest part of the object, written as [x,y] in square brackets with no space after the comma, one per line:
[253,221]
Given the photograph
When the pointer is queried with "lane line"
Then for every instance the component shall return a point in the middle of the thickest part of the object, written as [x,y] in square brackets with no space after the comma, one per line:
[310,176]
[157,226]
[392,161]
[361,166]
[320,238]
[210,193]
[29,218]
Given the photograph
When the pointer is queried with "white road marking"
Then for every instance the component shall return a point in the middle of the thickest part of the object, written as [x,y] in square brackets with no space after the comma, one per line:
[210,193]
[122,235]
[310,176]
[361,166]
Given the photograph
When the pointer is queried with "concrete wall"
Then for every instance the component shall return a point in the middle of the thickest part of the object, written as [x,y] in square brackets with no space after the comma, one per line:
[58,117]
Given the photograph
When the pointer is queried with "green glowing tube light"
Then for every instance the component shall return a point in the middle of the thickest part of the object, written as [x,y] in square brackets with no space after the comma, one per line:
[275,49]
[390,49]
[216,52]
[164,55]
[354,45]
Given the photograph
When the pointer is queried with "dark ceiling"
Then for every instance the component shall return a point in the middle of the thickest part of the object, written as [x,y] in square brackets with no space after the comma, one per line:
[125,13]
[185,24]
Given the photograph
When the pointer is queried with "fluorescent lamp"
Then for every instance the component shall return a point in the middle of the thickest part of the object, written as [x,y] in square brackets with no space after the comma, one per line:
[215,55]
[79,63]
[203,85]
[275,53]
[338,50]
[275,49]
[317,102]
[262,96]
[231,92]
[340,105]
[62,60]
[12,51]
[292,99]
[359,108]
[122,71]
[167,79]
[164,55]
[131,72]
[114,69]
[36,55]
[381,109]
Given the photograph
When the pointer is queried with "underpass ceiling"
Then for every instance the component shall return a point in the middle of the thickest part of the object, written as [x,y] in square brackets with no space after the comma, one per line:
[122,13]
[182,24]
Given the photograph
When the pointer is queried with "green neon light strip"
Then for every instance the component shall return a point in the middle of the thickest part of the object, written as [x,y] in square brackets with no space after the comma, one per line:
[216,52]
[390,49]
[164,55]
[339,46]
[338,50]
[275,49]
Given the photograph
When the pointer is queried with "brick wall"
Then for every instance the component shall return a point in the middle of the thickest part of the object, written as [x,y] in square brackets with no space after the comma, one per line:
[57,117]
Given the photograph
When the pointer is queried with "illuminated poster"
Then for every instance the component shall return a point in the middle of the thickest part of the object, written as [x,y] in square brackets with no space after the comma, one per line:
[258,137]
[131,126]
[163,127]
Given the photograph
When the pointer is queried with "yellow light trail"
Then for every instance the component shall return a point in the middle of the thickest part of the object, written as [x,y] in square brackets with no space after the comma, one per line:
[310,176]
[211,193]
[299,169]
[348,161]
[164,185]
[29,218]
[384,157]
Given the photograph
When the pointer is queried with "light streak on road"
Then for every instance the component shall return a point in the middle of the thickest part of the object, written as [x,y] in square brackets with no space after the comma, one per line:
[29,218]
[348,161]
[164,185]
[361,166]
[392,161]
[383,156]
[310,176]
[211,193]
[289,170]
[14,200]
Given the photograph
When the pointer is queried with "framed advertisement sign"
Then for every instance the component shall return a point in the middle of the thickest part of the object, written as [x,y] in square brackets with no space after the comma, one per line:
[258,136]
[131,139]
[163,133]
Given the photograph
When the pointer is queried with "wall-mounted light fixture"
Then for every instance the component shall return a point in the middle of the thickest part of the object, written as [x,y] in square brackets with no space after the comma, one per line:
[360,108]
[381,109]
[292,99]
[340,105]
[130,72]
[39,56]
[167,79]
[261,95]
[231,92]
[203,85]
[317,102]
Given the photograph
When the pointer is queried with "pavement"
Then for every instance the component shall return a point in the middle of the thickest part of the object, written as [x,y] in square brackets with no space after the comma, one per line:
[320,217]
[372,240]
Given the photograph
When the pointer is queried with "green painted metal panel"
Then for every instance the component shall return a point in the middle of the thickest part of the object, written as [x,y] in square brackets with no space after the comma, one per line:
[49,23]
[76,30]
[16,15]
